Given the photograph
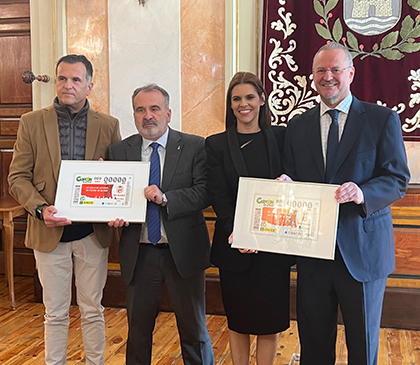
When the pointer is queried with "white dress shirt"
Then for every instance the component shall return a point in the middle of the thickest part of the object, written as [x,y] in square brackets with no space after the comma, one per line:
[325,120]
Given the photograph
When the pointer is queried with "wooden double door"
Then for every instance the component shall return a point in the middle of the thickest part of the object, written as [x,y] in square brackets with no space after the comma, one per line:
[15,100]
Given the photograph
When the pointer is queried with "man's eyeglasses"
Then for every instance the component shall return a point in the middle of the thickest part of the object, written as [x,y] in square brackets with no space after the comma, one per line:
[334,70]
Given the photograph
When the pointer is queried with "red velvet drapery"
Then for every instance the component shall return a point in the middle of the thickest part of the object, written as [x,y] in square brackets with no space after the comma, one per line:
[383,36]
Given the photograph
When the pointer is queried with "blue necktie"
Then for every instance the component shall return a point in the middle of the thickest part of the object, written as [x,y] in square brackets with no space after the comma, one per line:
[153,213]
[332,144]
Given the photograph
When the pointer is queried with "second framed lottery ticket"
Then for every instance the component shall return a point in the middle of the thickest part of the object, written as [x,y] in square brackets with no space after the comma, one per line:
[101,191]
[292,218]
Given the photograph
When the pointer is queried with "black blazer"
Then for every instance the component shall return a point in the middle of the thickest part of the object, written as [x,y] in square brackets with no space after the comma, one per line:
[225,165]
[184,182]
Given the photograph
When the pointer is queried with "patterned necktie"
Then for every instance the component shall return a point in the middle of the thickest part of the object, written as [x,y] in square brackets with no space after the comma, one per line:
[332,144]
[153,213]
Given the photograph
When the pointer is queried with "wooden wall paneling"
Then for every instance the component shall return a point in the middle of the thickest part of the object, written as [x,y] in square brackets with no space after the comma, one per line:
[407,250]
[19,241]
[402,297]
[14,10]
[210,216]
[411,199]
[401,308]
[24,261]
[113,253]
[7,27]
[9,127]
[406,219]
[5,159]
[15,111]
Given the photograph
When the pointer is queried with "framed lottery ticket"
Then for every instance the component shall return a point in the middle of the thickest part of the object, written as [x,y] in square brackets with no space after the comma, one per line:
[292,218]
[101,191]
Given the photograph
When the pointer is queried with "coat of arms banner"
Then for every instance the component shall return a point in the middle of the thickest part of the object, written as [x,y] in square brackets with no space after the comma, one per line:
[382,35]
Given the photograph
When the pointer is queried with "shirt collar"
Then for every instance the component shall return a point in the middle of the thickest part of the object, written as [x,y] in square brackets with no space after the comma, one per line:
[162,141]
[343,107]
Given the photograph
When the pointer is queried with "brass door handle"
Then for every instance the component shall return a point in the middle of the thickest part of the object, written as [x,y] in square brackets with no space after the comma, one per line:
[28,77]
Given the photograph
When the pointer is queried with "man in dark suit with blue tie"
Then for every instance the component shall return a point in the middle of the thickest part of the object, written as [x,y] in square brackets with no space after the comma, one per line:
[363,152]
[173,245]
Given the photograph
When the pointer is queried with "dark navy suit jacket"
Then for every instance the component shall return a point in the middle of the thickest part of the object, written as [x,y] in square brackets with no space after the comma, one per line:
[371,154]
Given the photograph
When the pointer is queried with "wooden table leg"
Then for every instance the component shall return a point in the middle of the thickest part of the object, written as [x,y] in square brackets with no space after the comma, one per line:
[8,239]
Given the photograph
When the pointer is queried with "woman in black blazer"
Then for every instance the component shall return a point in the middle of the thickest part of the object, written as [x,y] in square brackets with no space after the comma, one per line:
[255,285]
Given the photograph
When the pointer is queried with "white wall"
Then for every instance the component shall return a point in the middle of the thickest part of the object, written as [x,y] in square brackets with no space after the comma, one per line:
[144,46]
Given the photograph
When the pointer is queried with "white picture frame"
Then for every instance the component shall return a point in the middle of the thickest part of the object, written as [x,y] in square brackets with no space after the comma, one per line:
[293,218]
[101,191]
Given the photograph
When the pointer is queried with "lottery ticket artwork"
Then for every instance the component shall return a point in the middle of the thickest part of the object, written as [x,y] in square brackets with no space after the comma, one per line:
[101,191]
[286,217]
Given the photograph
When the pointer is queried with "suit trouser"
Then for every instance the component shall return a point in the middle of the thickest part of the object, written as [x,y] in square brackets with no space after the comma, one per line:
[155,266]
[55,270]
[318,296]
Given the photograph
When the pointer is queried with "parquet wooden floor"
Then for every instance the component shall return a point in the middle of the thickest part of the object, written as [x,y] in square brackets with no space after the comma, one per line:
[21,336]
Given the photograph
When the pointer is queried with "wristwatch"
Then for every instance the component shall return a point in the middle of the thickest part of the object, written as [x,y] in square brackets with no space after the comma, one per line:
[164,200]
[38,211]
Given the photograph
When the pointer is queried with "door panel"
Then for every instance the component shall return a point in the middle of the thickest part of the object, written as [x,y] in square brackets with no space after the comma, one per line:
[15,99]
[16,58]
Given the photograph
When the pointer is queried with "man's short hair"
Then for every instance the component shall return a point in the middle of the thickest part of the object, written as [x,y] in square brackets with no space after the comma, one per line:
[152,87]
[75,58]
[334,45]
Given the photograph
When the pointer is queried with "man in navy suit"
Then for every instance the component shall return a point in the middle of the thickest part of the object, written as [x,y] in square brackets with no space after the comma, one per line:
[370,165]
[176,250]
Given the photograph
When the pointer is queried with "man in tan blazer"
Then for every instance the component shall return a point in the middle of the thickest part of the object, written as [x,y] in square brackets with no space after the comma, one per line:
[67,130]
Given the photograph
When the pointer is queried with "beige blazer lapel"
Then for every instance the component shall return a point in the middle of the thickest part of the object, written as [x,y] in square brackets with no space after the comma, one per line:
[92,133]
[50,123]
